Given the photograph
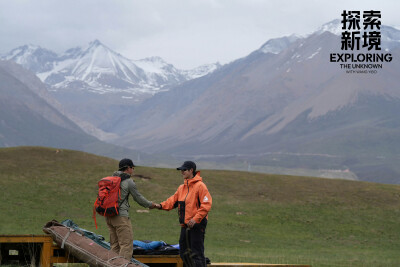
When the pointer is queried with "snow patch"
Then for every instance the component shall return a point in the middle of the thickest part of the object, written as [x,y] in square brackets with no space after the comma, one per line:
[275,46]
[333,26]
[315,53]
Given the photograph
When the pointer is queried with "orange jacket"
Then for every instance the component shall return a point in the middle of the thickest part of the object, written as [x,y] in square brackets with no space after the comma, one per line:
[192,199]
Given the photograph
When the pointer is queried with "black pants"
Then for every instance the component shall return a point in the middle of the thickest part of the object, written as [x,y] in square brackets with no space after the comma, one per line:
[196,243]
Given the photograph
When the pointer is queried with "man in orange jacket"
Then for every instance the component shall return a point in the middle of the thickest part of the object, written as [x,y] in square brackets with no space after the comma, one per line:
[193,202]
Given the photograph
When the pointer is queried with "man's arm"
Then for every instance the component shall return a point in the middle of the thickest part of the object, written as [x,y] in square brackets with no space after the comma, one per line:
[139,198]
[169,204]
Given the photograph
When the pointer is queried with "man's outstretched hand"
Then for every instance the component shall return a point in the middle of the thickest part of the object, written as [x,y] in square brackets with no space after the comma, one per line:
[155,206]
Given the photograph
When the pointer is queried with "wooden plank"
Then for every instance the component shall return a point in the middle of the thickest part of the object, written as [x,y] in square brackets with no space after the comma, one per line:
[45,240]
[47,257]
[46,253]
[176,259]
[242,264]
[25,238]
[157,256]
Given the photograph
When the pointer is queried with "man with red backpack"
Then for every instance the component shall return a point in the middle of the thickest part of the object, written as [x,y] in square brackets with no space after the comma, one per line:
[120,226]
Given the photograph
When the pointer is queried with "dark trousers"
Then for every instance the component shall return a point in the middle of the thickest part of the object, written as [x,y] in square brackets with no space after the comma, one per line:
[196,243]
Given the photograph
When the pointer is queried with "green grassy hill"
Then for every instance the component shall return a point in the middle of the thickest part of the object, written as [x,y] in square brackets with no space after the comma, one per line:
[255,217]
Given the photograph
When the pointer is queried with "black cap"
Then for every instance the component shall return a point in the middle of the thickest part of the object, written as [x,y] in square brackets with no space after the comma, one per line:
[125,163]
[187,165]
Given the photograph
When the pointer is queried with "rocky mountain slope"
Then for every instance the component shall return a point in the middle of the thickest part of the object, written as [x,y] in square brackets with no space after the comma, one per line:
[30,116]
[95,84]
[288,101]
[283,106]
[99,69]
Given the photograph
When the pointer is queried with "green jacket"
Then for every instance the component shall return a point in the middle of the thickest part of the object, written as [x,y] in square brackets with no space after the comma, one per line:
[128,187]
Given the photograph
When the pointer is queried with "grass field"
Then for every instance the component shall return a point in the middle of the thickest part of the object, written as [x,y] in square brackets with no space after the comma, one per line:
[254,218]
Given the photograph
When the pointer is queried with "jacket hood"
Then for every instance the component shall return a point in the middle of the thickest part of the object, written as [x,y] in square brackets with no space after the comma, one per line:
[196,178]
[121,174]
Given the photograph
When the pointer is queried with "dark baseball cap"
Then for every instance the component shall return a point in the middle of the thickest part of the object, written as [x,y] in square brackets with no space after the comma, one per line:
[125,163]
[187,165]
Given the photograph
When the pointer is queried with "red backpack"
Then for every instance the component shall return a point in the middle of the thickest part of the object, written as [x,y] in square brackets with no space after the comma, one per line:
[109,193]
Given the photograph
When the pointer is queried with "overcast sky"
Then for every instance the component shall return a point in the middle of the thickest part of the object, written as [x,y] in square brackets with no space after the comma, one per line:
[186,33]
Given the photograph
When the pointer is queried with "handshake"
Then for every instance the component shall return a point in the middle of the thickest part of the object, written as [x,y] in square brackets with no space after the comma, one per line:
[154,205]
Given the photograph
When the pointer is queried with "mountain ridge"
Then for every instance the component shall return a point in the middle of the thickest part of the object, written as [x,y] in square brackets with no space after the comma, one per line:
[284,105]
[99,69]
[29,116]
[266,102]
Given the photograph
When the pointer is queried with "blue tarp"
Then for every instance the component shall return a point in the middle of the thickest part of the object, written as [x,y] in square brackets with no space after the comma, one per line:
[149,245]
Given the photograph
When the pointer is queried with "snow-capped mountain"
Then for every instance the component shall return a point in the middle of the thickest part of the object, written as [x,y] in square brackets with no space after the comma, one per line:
[94,80]
[201,71]
[285,104]
[334,26]
[32,57]
[275,46]
[97,68]
[160,72]
[390,36]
